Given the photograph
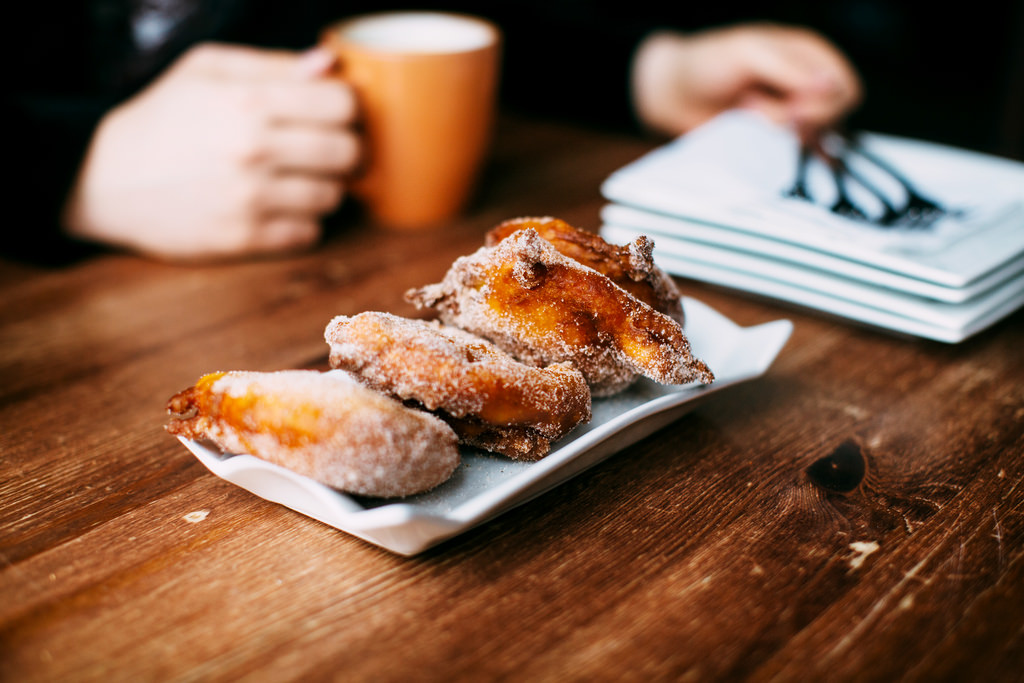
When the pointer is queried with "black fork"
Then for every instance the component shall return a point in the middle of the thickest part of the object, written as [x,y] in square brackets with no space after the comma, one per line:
[917,212]
[843,205]
[841,171]
[799,189]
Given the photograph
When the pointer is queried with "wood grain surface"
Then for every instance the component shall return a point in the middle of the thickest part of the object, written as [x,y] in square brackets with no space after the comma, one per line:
[856,514]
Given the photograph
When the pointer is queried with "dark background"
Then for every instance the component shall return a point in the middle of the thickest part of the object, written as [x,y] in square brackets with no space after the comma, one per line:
[953,75]
[950,73]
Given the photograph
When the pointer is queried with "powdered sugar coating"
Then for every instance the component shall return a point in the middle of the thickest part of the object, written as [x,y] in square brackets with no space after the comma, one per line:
[326,426]
[631,266]
[543,307]
[492,400]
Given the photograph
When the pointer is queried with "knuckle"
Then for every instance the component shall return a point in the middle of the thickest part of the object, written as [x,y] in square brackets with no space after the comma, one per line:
[233,236]
[279,232]
[324,196]
[305,233]
[248,198]
[338,152]
[351,151]
[335,100]
[252,148]
[334,194]
[246,99]
[247,142]
[345,104]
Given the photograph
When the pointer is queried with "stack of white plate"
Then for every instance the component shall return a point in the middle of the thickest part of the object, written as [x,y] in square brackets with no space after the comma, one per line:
[715,203]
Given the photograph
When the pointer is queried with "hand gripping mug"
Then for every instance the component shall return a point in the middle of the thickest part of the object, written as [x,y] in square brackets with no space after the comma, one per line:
[426,84]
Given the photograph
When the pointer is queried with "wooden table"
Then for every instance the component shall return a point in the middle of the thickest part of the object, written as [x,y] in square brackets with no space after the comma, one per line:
[739,542]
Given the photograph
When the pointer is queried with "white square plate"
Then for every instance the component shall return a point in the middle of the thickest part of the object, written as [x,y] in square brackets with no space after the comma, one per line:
[830,291]
[669,230]
[485,485]
[734,171]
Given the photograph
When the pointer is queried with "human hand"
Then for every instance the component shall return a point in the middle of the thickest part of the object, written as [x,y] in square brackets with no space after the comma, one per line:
[233,151]
[792,75]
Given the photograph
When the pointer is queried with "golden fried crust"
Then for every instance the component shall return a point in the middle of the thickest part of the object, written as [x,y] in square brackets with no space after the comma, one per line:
[325,426]
[518,443]
[492,400]
[631,266]
[543,308]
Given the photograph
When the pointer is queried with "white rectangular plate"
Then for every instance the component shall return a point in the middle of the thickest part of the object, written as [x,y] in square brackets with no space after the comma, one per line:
[669,230]
[485,485]
[733,172]
[830,291]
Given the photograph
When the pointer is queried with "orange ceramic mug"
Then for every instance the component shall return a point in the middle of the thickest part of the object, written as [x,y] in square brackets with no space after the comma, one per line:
[426,84]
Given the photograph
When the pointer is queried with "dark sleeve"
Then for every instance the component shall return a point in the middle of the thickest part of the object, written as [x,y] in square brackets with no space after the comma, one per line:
[573,66]
[568,60]
[50,115]
[572,58]
[66,76]
[49,138]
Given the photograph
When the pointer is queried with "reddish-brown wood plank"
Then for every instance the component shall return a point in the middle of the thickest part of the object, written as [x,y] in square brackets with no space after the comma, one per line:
[855,514]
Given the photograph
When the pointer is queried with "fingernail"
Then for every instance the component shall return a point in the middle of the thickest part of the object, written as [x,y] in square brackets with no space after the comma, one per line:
[315,62]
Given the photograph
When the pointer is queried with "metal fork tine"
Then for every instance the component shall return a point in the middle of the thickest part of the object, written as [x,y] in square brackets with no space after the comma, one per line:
[843,205]
[890,215]
[918,211]
[799,189]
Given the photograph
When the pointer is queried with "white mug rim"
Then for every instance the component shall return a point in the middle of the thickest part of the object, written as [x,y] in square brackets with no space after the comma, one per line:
[474,33]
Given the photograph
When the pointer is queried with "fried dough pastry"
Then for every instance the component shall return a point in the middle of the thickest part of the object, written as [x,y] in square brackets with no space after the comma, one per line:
[326,426]
[543,308]
[630,266]
[492,400]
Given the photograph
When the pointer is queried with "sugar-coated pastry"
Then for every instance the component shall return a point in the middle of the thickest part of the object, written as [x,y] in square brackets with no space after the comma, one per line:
[543,307]
[324,425]
[630,266]
[492,400]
